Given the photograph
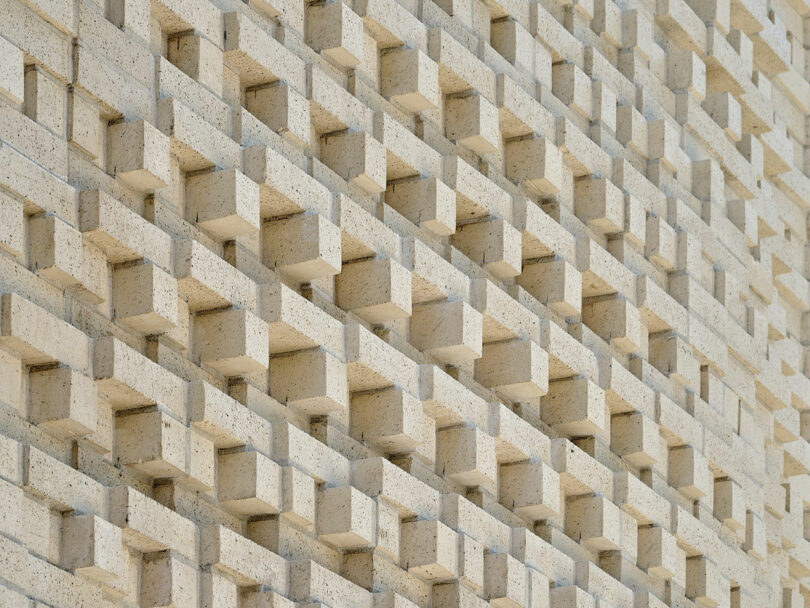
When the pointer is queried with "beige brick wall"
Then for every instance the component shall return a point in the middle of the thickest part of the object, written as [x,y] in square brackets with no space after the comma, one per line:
[404,303]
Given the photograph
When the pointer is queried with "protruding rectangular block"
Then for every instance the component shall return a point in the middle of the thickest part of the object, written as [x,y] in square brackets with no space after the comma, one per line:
[530,489]
[249,484]
[45,100]
[635,438]
[11,71]
[535,162]
[658,552]
[494,244]
[233,342]
[429,550]
[729,503]
[410,78]
[705,583]
[139,155]
[472,122]
[449,331]
[283,109]
[689,472]
[145,298]
[55,250]
[152,443]
[298,496]
[428,203]
[224,203]
[573,87]
[304,247]
[466,454]
[62,401]
[312,382]
[555,283]
[617,321]
[346,518]
[575,407]
[93,547]
[600,204]
[198,57]
[376,290]
[390,419]
[595,521]
[336,31]
[504,581]
[356,157]
[518,369]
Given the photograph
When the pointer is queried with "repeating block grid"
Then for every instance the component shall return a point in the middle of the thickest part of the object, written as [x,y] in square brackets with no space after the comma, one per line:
[404,303]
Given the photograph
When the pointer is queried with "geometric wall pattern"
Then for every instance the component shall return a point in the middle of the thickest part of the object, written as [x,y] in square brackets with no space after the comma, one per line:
[404,303]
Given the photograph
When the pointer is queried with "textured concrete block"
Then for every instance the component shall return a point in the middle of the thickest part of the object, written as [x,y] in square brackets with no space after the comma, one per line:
[233,342]
[376,290]
[472,121]
[224,203]
[145,298]
[138,153]
[429,550]
[62,401]
[153,443]
[410,78]
[302,247]
[535,162]
[356,157]
[249,484]
[337,32]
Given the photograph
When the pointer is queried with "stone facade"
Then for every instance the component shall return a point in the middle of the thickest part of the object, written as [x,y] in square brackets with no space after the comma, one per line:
[404,303]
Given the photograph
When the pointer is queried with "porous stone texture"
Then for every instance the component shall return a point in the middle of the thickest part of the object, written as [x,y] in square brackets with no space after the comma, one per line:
[404,303]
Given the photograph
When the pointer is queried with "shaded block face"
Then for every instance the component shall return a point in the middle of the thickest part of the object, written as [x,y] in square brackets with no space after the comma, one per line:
[466,455]
[302,247]
[377,290]
[282,109]
[429,203]
[595,521]
[63,402]
[390,419]
[472,122]
[705,583]
[313,382]
[233,342]
[658,552]
[429,550]
[198,57]
[356,157]
[152,443]
[298,496]
[729,503]
[167,581]
[504,580]
[674,357]
[517,369]
[600,204]
[660,246]
[635,438]
[55,250]
[337,32]
[145,298]
[138,153]
[573,87]
[45,100]
[530,489]
[224,203]
[557,284]
[689,472]
[496,245]
[535,162]
[346,518]
[449,331]
[575,407]
[616,321]
[249,484]
[92,547]
[410,78]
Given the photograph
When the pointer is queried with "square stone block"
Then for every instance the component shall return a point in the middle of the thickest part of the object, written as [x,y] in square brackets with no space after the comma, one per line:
[303,247]
[376,290]
[555,283]
[451,331]
[689,472]
[336,31]
[494,244]
[658,552]
[63,402]
[283,109]
[635,438]
[429,203]
[575,407]
[429,550]
[517,369]
[504,581]
[600,204]
[312,382]
[55,250]
[410,78]
[595,521]
[198,57]
[617,321]
[233,342]
[472,122]
[145,298]
[249,484]
[535,162]
[466,454]
[93,548]
[152,442]
[138,153]
[530,489]
[356,157]
[346,518]
[224,203]
[390,419]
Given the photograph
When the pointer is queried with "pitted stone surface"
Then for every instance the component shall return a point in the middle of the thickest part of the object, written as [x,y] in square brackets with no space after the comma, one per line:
[404,303]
